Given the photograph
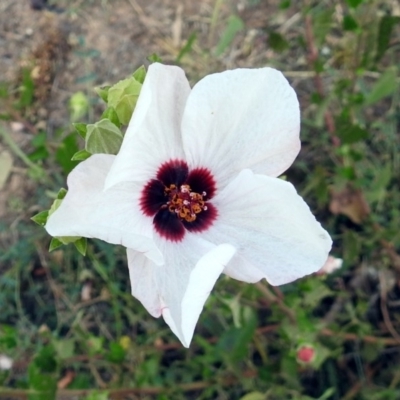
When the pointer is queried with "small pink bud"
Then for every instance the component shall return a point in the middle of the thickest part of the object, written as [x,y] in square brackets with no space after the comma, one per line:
[331,265]
[305,354]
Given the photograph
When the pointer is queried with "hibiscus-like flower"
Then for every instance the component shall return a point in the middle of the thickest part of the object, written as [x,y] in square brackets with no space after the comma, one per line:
[193,191]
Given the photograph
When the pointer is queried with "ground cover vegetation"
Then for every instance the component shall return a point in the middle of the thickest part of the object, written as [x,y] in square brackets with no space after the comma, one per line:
[69,323]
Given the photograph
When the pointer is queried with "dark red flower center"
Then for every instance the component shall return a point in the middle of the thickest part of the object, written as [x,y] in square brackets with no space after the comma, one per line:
[178,199]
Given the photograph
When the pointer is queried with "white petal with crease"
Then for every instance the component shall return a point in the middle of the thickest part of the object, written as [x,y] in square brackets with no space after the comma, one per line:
[113,216]
[273,229]
[245,118]
[179,289]
[153,135]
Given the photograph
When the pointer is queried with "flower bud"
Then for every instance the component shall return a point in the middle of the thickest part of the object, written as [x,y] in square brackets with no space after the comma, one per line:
[305,354]
[331,265]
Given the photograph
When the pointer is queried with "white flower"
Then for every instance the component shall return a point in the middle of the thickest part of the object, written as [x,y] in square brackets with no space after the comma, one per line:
[6,362]
[193,191]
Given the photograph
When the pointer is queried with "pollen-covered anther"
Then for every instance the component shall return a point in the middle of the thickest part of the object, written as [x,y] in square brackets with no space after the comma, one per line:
[185,203]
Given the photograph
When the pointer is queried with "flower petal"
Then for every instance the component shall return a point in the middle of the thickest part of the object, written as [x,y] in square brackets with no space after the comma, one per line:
[153,135]
[113,215]
[272,228]
[178,289]
[245,118]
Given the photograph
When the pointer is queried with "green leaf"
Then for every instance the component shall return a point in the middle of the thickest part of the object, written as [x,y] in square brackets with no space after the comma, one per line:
[354,3]
[78,105]
[62,193]
[109,113]
[322,24]
[64,348]
[6,163]
[42,375]
[80,128]
[315,292]
[65,152]
[277,42]
[352,134]
[154,58]
[349,23]
[234,25]
[284,4]
[41,218]
[103,92]
[39,140]
[27,89]
[81,155]
[40,153]
[386,86]
[386,25]
[97,396]
[123,97]
[187,47]
[327,394]
[81,245]
[55,244]
[94,345]
[253,396]
[103,137]
[8,336]
[234,342]
[140,74]
[117,353]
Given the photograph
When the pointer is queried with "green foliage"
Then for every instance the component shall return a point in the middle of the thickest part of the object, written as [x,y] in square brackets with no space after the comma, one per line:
[187,46]
[386,85]
[39,142]
[349,23]
[233,27]
[154,58]
[42,375]
[27,89]
[386,25]
[277,42]
[68,147]
[354,3]
[78,106]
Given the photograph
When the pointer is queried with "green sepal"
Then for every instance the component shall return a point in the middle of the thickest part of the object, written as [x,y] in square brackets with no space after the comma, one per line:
[55,205]
[81,245]
[109,113]
[103,137]
[80,128]
[81,155]
[62,193]
[103,92]
[140,74]
[55,244]
[41,218]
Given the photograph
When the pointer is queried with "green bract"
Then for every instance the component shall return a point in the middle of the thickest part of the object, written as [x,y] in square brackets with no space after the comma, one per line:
[122,97]
[103,137]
